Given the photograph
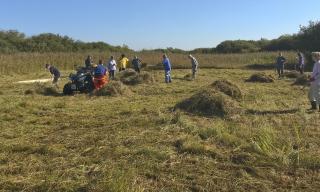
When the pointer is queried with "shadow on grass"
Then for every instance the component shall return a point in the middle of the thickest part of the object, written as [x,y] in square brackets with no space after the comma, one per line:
[271,112]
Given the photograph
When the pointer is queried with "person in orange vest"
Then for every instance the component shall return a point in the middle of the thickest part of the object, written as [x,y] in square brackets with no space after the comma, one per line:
[100,76]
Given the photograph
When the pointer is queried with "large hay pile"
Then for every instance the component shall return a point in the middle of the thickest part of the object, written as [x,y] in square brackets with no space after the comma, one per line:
[209,102]
[130,77]
[302,80]
[261,78]
[228,88]
[114,88]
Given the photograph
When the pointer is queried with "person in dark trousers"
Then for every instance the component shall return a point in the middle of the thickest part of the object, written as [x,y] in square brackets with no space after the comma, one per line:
[112,67]
[301,63]
[281,61]
[167,68]
[88,62]
[136,63]
[55,74]
[194,66]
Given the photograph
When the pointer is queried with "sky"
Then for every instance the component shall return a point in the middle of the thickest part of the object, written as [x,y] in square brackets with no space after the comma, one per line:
[150,24]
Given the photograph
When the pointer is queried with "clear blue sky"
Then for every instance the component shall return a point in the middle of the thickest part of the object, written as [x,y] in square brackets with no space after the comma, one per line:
[185,24]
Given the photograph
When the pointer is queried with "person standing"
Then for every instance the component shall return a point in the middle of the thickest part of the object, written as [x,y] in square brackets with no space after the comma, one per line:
[123,62]
[314,93]
[136,63]
[167,68]
[194,65]
[99,77]
[88,62]
[112,67]
[301,63]
[55,74]
[281,61]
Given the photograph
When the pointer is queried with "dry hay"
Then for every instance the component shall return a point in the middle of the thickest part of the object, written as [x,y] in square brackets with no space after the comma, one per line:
[261,78]
[302,80]
[43,89]
[291,74]
[131,77]
[188,77]
[209,102]
[228,88]
[114,88]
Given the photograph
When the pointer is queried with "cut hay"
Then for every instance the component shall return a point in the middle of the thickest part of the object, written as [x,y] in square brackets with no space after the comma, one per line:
[302,80]
[42,89]
[228,88]
[209,102]
[291,74]
[261,78]
[131,77]
[114,88]
[188,77]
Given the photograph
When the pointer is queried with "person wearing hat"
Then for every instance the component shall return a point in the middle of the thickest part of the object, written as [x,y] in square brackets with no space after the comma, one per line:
[55,74]
[99,75]
[112,67]
[194,66]
[136,63]
[314,93]
[167,68]
[123,62]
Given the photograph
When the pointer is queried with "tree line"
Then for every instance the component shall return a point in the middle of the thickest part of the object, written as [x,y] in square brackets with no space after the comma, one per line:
[12,41]
[306,40]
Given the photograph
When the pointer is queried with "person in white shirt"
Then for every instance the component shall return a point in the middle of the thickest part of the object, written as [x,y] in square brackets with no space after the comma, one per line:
[314,93]
[112,67]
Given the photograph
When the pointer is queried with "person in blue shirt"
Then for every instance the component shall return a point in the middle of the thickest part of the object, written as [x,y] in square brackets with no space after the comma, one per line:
[100,76]
[280,65]
[167,68]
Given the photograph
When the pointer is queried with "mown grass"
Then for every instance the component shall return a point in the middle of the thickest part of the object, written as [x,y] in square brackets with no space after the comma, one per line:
[24,63]
[139,143]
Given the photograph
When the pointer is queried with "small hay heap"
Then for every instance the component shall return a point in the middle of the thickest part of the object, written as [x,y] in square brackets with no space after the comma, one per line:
[261,78]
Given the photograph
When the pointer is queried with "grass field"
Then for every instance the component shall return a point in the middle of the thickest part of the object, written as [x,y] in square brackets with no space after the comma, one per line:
[139,143]
[25,63]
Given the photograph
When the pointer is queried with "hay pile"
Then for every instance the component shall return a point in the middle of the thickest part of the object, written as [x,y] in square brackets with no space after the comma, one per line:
[130,77]
[114,88]
[228,88]
[210,102]
[42,89]
[291,74]
[261,78]
[302,80]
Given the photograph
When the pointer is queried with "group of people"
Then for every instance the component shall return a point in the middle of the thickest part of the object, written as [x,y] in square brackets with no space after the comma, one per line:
[101,71]
[314,92]
[281,61]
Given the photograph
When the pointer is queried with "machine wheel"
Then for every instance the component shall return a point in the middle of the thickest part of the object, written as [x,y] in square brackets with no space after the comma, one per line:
[67,90]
